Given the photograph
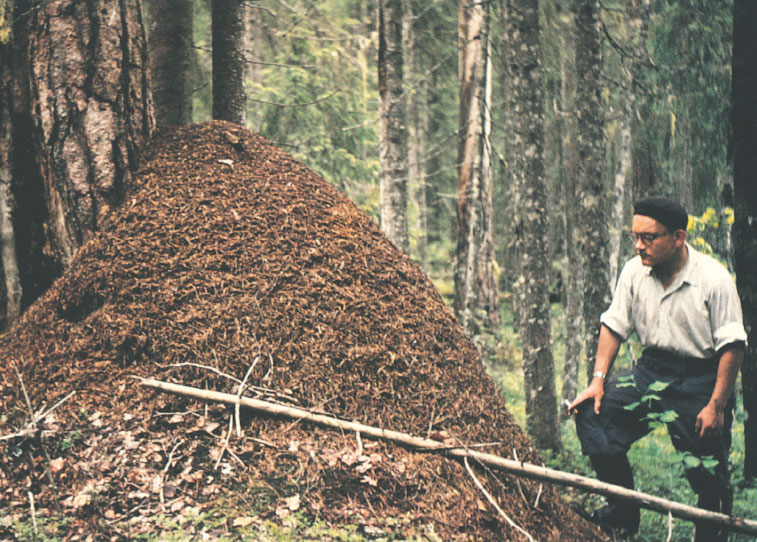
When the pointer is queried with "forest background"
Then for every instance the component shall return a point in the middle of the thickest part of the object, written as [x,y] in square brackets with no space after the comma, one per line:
[500,144]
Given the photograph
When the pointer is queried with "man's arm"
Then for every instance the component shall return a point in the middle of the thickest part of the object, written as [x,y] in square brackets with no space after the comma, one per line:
[607,349]
[712,417]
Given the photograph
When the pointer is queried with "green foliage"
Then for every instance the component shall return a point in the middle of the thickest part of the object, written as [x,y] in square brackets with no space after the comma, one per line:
[688,91]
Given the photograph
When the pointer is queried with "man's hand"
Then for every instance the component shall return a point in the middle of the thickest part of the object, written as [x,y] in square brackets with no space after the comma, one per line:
[710,420]
[595,391]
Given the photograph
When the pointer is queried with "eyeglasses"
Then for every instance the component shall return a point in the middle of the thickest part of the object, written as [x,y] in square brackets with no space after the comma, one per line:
[646,238]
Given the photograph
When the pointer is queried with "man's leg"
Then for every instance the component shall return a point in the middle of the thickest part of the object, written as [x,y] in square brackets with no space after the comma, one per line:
[605,438]
[712,486]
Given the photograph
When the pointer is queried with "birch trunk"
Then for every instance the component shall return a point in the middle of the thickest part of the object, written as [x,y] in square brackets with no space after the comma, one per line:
[526,169]
[392,128]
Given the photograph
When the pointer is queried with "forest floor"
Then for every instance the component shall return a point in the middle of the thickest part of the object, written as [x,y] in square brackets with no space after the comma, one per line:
[231,261]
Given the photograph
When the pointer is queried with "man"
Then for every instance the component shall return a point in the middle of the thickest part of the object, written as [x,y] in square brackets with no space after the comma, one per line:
[685,310]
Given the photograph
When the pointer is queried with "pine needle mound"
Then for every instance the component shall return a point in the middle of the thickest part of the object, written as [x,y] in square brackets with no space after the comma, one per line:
[231,257]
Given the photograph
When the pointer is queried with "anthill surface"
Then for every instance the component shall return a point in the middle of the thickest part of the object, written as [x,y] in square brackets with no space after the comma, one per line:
[230,258]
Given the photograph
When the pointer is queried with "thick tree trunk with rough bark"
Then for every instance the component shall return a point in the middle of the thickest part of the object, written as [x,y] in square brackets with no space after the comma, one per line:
[228,37]
[745,208]
[475,286]
[593,236]
[526,168]
[171,49]
[76,106]
[392,128]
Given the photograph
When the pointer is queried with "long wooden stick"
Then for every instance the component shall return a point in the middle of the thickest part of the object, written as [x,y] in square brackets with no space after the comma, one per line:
[518,468]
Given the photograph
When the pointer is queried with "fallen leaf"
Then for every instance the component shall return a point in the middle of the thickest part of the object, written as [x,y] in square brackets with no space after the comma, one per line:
[293,502]
[56,465]
[243,521]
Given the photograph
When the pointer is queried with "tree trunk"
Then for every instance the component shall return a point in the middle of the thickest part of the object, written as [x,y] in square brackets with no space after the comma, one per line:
[10,306]
[475,287]
[253,48]
[392,129]
[228,26]
[593,237]
[416,142]
[171,48]
[526,168]
[75,108]
[622,172]
[573,267]
[745,209]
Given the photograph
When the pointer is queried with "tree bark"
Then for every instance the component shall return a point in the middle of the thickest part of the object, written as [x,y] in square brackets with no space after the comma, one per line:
[392,128]
[593,237]
[744,88]
[417,128]
[76,107]
[171,49]
[228,37]
[475,286]
[526,168]
[573,267]
[11,281]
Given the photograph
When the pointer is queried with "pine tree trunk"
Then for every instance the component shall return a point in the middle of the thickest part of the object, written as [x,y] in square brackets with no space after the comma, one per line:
[475,287]
[74,82]
[593,237]
[745,209]
[573,267]
[526,168]
[392,128]
[171,48]
[228,29]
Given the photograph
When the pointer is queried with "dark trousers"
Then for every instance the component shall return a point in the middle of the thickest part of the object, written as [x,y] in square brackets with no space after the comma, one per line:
[608,436]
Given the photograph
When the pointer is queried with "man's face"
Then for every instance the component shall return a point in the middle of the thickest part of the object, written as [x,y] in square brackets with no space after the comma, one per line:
[653,242]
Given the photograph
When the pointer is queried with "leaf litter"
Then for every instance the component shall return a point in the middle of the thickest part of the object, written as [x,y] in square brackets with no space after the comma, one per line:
[229,260]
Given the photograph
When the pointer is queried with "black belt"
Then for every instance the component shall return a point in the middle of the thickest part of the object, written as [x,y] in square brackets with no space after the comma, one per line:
[668,363]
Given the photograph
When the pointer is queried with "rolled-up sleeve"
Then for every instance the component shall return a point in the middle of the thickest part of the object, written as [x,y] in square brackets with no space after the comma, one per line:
[726,318]
[618,317]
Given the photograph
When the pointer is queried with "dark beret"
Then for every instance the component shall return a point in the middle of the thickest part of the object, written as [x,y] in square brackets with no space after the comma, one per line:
[667,212]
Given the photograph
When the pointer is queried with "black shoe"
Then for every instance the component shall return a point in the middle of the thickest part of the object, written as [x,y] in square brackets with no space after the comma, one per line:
[612,517]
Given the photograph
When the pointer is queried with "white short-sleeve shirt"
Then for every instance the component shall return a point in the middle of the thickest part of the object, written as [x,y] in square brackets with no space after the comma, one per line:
[699,313]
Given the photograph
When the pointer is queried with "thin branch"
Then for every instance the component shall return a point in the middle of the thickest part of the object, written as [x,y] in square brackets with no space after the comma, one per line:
[491,500]
[302,104]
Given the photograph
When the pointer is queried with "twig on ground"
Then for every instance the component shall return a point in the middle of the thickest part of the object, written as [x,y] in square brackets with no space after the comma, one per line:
[225,442]
[359,443]
[165,471]
[34,513]
[517,482]
[538,496]
[491,500]
[670,527]
[239,394]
